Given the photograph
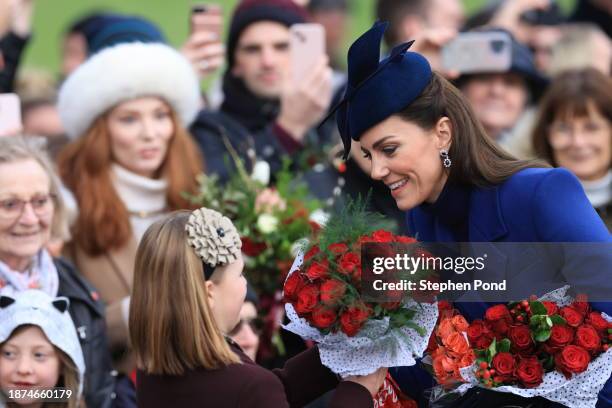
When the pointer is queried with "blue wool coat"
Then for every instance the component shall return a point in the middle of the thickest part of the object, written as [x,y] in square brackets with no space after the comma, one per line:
[534,205]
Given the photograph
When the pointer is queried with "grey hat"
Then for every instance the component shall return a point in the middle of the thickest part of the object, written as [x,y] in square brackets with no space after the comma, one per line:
[34,307]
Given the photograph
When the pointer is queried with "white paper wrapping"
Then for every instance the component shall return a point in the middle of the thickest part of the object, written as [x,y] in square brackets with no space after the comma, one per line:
[374,346]
[578,392]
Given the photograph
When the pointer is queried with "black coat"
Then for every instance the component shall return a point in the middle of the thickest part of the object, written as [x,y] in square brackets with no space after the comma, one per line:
[88,317]
[11,48]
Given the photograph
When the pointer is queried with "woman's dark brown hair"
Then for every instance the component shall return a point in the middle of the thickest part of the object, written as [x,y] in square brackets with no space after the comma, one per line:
[477,159]
[569,96]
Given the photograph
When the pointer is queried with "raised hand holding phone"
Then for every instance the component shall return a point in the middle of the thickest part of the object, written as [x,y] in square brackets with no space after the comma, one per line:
[204,47]
[307,90]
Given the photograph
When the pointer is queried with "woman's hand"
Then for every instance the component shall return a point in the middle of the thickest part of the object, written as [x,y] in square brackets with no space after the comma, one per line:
[372,382]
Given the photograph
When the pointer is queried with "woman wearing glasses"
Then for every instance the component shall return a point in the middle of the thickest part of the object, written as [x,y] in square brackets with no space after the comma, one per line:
[574,130]
[30,212]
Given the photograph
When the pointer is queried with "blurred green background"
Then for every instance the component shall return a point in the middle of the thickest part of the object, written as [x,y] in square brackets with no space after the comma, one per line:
[53,16]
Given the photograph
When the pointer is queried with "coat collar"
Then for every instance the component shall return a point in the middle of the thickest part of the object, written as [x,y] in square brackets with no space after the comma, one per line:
[480,206]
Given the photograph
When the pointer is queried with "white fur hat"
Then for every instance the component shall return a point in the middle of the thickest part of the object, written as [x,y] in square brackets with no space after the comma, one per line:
[128,71]
[35,307]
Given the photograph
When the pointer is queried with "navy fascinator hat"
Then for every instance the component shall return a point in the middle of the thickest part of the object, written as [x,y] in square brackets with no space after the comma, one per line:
[378,89]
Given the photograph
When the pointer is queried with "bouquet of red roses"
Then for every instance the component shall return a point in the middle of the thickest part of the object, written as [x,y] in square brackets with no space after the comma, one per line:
[325,302]
[555,347]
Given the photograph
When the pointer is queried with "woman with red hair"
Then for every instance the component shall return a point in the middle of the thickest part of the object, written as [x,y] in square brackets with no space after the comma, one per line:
[130,160]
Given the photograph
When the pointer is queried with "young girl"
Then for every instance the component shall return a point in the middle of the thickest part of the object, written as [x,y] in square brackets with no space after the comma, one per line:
[39,349]
[188,292]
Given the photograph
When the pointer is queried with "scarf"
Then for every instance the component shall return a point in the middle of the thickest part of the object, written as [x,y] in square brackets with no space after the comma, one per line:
[253,112]
[42,274]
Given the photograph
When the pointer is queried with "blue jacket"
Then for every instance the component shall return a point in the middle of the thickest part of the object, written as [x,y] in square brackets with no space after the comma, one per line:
[534,205]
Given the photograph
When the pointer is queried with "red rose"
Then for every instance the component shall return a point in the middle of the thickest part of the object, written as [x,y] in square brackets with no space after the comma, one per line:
[504,365]
[332,291]
[499,318]
[572,359]
[551,308]
[349,263]
[293,284]
[307,299]
[596,320]
[520,337]
[352,320]
[404,239]
[338,248]
[315,227]
[529,372]
[318,270]
[581,305]
[572,316]
[588,338]
[311,252]
[560,336]
[479,335]
[323,317]
[382,236]
[444,305]
[251,248]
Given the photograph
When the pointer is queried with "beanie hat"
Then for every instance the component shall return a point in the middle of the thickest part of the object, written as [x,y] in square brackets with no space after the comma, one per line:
[286,12]
[35,307]
[123,72]
[117,29]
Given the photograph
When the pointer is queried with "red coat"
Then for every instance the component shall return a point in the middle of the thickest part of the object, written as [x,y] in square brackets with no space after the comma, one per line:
[248,385]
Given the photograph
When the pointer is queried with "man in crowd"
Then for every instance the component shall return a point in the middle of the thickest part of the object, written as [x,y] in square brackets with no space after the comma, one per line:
[257,86]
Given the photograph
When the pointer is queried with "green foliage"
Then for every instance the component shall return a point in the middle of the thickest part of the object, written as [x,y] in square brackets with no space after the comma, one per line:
[504,346]
[351,222]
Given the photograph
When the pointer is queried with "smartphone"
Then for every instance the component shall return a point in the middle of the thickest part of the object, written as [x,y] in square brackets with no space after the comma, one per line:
[206,17]
[478,52]
[10,113]
[306,45]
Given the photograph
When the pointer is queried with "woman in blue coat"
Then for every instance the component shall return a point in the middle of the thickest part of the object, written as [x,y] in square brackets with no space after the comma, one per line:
[456,185]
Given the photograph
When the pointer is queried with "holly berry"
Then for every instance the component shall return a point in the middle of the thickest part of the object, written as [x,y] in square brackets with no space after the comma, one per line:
[525,304]
[492,371]
[483,364]
[486,375]
[520,318]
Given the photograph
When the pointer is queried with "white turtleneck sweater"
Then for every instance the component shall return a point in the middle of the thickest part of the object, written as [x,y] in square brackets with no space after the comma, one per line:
[599,191]
[144,198]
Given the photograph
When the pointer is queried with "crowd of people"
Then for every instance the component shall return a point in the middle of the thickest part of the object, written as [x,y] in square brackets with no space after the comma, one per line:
[101,289]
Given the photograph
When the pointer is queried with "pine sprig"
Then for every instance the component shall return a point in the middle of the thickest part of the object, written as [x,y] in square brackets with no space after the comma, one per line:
[351,222]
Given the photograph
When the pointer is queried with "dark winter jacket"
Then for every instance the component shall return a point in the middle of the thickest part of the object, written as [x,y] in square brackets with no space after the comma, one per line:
[11,48]
[87,313]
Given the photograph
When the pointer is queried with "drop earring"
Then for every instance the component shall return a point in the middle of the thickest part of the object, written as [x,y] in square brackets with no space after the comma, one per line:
[446,161]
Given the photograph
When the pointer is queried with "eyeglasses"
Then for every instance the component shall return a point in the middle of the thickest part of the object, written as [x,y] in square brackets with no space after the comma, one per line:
[12,208]
[561,134]
[255,323]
